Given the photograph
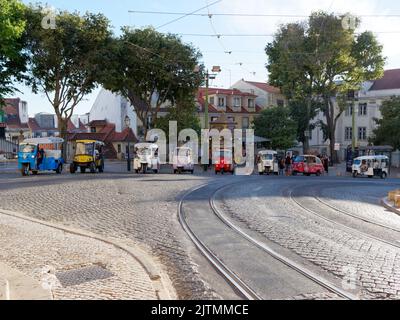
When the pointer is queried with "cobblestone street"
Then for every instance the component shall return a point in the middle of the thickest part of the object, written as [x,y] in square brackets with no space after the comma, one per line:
[141,211]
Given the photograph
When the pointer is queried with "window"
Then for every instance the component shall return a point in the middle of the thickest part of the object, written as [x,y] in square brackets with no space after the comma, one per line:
[221,102]
[231,119]
[251,103]
[212,100]
[236,102]
[280,103]
[349,111]
[245,123]
[362,109]
[119,148]
[348,133]
[362,133]
[93,129]
[214,119]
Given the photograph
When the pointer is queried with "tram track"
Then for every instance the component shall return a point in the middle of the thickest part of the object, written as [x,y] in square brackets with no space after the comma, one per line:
[230,276]
[289,194]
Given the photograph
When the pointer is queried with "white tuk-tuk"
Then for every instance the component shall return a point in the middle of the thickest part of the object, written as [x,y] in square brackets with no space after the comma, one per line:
[146,158]
[371,166]
[182,160]
[267,162]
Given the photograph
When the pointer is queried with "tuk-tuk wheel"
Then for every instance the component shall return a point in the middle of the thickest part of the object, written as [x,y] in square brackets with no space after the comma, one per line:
[354,174]
[383,175]
[25,170]
[191,171]
[261,173]
[155,171]
[59,169]
[137,171]
[34,172]
[92,167]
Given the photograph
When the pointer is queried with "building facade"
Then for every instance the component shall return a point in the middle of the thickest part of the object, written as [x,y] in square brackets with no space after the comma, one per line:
[367,108]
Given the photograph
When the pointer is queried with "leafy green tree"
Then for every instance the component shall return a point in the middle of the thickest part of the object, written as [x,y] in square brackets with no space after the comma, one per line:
[331,60]
[275,123]
[184,112]
[65,61]
[151,69]
[388,130]
[12,59]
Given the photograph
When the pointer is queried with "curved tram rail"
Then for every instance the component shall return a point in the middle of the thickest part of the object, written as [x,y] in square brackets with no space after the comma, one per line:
[238,284]
[369,236]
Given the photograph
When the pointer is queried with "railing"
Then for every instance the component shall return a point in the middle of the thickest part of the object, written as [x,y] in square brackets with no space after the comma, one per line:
[8,148]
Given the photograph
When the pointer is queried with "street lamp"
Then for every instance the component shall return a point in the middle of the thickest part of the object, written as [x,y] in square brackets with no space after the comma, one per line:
[128,125]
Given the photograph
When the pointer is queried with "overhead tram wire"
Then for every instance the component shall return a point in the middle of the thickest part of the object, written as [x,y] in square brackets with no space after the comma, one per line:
[194,13]
[188,14]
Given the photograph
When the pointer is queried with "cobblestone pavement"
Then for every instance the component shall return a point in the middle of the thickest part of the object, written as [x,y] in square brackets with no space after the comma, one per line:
[140,208]
[43,252]
[371,265]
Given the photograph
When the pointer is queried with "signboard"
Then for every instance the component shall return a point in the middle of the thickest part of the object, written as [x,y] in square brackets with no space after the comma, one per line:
[337,146]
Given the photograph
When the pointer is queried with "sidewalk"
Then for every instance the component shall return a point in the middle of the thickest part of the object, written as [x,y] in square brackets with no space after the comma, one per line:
[41,262]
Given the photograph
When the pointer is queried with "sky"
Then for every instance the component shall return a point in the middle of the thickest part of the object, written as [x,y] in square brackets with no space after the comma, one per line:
[238,56]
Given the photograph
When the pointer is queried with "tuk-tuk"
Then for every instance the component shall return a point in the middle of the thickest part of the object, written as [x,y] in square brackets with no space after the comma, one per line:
[40,154]
[371,166]
[223,161]
[267,162]
[307,165]
[146,158]
[182,160]
[88,155]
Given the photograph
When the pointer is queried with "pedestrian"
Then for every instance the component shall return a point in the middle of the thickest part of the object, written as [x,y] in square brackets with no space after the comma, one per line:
[288,165]
[325,162]
[281,166]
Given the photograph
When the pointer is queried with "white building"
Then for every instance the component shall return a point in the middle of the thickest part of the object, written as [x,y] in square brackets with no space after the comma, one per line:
[367,108]
[113,108]
[267,95]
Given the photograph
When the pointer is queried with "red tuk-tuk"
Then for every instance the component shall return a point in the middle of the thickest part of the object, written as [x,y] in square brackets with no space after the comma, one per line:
[223,161]
[307,165]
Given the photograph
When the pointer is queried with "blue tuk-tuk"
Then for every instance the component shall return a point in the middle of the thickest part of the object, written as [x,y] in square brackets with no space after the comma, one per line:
[40,154]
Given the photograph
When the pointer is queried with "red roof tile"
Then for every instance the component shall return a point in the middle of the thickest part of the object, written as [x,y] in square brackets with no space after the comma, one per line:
[264,86]
[233,92]
[390,80]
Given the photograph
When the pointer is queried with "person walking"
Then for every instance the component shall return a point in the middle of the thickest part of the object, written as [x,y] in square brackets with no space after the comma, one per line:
[325,162]
[288,165]
[281,166]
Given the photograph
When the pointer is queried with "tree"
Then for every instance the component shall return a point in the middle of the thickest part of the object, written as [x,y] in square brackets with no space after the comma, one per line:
[151,69]
[388,132]
[65,62]
[184,113]
[288,67]
[332,58]
[12,58]
[275,124]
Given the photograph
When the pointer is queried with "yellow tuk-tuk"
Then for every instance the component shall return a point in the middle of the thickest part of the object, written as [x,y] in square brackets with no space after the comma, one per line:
[88,155]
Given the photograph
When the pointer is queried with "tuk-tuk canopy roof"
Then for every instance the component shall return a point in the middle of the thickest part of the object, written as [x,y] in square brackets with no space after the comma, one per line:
[267,152]
[146,145]
[37,141]
[90,141]
[378,157]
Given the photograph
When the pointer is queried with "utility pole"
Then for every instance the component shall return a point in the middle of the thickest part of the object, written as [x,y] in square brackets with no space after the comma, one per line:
[206,103]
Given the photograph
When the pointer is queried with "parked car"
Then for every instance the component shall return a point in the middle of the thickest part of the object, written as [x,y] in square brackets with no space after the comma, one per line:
[307,165]
[371,166]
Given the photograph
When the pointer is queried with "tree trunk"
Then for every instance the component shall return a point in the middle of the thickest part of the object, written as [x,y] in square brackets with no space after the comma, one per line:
[306,145]
[63,127]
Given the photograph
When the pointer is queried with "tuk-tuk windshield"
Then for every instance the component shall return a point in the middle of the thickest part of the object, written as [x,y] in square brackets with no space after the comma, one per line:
[85,148]
[144,152]
[27,148]
[268,156]
[181,152]
[299,159]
